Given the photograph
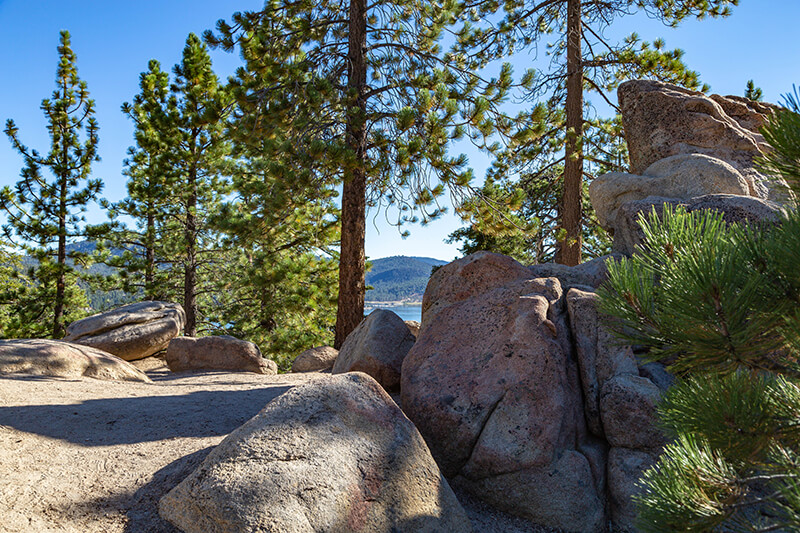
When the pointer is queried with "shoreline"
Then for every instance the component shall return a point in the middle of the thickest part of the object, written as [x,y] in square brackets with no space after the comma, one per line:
[390,303]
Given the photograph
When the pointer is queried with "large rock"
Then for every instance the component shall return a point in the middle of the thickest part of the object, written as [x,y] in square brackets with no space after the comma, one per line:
[589,274]
[334,456]
[601,356]
[625,469]
[133,331]
[63,359]
[680,176]
[377,347]
[217,353]
[628,233]
[317,359]
[628,410]
[492,385]
[662,120]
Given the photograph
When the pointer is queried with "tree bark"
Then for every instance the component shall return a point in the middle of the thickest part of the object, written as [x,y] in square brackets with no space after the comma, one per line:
[352,284]
[150,256]
[190,267]
[61,285]
[569,250]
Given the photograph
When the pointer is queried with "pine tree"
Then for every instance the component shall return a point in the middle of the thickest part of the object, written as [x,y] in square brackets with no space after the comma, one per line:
[721,304]
[752,92]
[362,94]
[583,61]
[197,146]
[48,213]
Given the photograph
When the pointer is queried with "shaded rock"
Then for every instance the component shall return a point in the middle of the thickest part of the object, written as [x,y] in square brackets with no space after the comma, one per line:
[316,359]
[735,209]
[657,373]
[589,274]
[335,456]
[680,176]
[600,355]
[413,327]
[376,347]
[493,388]
[133,331]
[625,468]
[628,412]
[43,357]
[217,353]
[662,120]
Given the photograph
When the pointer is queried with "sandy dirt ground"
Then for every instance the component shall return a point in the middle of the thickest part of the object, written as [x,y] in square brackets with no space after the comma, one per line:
[90,456]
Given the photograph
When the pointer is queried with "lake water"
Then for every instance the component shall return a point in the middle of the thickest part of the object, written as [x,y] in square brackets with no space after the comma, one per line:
[406,312]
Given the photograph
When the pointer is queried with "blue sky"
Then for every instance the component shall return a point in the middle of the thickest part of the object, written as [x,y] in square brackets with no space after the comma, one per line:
[114,39]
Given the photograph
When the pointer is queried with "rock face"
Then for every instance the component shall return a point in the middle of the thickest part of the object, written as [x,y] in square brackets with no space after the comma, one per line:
[589,274]
[377,347]
[132,331]
[336,456]
[217,353]
[662,120]
[735,209]
[316,359]
[680,176]
[493,387]
[63,359]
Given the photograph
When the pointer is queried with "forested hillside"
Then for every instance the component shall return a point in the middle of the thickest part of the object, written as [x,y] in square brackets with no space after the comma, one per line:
[399,278]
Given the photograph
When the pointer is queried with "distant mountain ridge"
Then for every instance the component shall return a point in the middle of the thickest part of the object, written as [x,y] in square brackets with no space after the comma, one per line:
[399,278]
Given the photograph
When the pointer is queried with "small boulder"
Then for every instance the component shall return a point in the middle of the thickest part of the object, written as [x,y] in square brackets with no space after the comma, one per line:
[628,412]
[133,331]
[42,357]
[217,353]
[318,359]
[377,347]
[337,455]
[413,327]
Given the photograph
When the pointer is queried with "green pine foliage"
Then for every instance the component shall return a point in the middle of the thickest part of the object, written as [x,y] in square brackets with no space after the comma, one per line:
[752,92]
[45,215]
[720,304]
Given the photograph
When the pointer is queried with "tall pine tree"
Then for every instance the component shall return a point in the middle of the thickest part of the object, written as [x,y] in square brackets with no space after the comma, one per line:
[46,214]
[581,60]
[361,93]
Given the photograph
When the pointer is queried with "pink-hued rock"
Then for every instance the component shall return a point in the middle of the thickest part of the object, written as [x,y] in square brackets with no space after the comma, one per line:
[337,455]
[217,353]
[625,469]
[44,357]
[628,410]
[377,347]
[492,386]
[317,359]
[133,331]
[662,120]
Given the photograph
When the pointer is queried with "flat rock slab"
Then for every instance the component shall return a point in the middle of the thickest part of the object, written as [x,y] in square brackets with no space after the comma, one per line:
[44,357]
[88,456]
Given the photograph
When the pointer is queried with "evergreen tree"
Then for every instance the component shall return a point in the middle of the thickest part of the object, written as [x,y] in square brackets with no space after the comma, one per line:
[582,60]
[361,94]
[197,147]
[721,305]
[48,213]
[752,92]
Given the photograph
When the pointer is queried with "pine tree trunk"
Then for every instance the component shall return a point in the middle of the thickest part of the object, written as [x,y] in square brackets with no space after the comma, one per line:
[61,286]
[190,267]
[569,250]
[149,256]
[350,309]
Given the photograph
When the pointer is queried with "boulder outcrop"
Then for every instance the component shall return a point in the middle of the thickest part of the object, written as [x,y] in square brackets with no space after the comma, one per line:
[133,331]
[44,357]
[493,387]
[317,359]
[217,353]
[662,120]
[377,347]
[334,456]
